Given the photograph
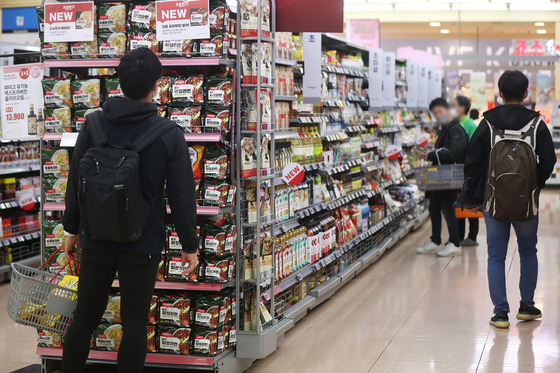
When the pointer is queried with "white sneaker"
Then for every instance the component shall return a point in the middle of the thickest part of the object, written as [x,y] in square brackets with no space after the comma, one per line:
[450,250]
[430,248]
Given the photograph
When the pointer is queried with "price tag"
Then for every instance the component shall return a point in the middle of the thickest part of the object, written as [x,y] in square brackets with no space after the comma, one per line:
[182,20]
[69,22]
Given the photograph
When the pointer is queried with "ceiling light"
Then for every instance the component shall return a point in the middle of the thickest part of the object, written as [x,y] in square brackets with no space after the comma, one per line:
[481,7]
[520,1]
[459,1]
[541,31]
[539,24]
[444,31]
[435,24]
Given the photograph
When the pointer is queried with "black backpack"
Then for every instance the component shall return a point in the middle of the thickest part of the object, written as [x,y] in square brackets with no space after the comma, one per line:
[112,204]
[512,193]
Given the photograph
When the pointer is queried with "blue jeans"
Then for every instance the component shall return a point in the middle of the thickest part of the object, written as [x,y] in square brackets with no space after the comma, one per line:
[498,233]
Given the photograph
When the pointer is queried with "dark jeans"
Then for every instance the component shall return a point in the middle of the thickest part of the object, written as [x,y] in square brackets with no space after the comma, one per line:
[137,275]
[473,228]
[441,201]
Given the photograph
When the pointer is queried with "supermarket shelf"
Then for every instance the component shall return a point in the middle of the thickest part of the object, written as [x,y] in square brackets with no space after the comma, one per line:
[19,238]
[200,210]
[304,120]
[391,129]
[285,98]
[281,61]
[31,261]
[203,137]
[10,204]
[300,309]
[286,135]
[69,138]
[283,326]
[114,62]
[183,285]
[288,224]
[152,359]
[344,71]
[264,39]
[314,166]
[52,206]
[263,85]
[18,170]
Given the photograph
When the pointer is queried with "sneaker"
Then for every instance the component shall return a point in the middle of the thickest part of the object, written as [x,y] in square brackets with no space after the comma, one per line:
[468,242]
[528,312]
[450,250]
[500,320]
[430,248]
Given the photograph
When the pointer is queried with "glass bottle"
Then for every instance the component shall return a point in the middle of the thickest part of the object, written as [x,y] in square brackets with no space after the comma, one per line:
[31,121]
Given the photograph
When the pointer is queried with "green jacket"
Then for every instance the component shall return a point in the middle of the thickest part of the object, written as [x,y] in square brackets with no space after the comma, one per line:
[468,124]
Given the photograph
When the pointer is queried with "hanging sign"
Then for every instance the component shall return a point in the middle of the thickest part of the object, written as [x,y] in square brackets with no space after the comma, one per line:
[422,139]
[312,76]
[309,15]
[69,22]
[412,84]
[25,195]
[388,70]
[293,173]
[423,102]
[393,152]
[375,80]
[182,20]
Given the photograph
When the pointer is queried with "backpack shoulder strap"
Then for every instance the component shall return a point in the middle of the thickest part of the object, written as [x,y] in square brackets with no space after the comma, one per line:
[530,131]
[158,127]
[95,125]
[495,133]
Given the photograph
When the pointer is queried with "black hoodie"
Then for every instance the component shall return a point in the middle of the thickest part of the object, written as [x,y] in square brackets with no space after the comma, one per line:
[512,117]
[166,159]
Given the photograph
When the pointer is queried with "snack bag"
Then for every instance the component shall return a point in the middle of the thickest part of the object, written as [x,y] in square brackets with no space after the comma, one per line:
[205,342]
[174,310]
[86,93]
[112,45]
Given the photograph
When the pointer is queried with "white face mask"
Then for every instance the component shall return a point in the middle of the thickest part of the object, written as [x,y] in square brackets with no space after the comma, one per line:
[442,121]
[453,113]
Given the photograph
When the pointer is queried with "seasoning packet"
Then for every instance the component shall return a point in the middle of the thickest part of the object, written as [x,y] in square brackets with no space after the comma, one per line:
[217,119]
[112,45]
[142,16]
[86,93]
[112,17]
[174,310]
[54,189]
[215,163]
[56,92]
[147,39]
[84,49]
[189,117]
[55,50]
[219,90]
[112,312]
[108,337]
[173,340]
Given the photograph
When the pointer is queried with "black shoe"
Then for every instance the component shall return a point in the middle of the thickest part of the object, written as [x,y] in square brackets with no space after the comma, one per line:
[528,312]
[500,320]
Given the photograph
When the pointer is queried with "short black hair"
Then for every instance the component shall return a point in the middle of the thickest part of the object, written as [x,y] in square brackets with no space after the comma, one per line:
[475,114]
[440,101]
[513,84]
[464,102]
[138,71]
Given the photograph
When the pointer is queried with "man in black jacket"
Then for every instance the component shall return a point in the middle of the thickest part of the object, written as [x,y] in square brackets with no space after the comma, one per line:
[511,116]
[450,148]
[165,160]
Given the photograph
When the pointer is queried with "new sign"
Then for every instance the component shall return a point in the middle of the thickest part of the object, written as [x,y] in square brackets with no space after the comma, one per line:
[69,22]
[182,20]
[293,173]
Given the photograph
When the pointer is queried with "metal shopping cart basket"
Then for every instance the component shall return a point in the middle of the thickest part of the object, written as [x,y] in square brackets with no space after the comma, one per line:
[37,299]
[442,177]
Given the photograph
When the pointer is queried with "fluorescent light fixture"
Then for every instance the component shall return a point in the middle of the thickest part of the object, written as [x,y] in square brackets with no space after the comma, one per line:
[541,31]
[368,8]
[421,7]
[444,31]
[481,7]
[539,24]
[435,24]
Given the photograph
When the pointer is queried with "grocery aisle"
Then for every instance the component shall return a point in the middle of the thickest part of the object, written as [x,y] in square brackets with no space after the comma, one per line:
[415,313]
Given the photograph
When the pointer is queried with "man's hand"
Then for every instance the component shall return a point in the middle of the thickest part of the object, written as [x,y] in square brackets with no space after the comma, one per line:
[191,260]
[69,244]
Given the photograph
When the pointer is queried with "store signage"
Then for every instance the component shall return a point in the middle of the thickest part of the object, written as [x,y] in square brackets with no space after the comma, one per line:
[434,88]
[182,20]
[312,79]
[310,16]
[422,139]
[20,88]
[543,101]
[375,80]
[26,196]
[393,152]
[478,90]
[388,71]
[535,47]
[364,32]
[412,84]
[293,173]
[69,22]
[19,19]
[423,87]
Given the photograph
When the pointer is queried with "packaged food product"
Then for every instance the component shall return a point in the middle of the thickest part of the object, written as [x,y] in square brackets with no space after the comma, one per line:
[248,157]
[215,163]
[151,330]
[205,342]
[217,119]
[196,153]
[199,16]
[162,268]
[108,337]
[86,93]
[174,268]
[173,340]
[178,48]
[58,120]
[56,162]
[247,62]
[163,92]
[142,16]
[219,90]
[48,339]
[219,15]
[206,313]
[162,111]
[57,260]
[152,313]
[174,310]
[112,312]
[84,49]
[54,189]
[215,270]
[191,89]
[79,117]
[55,50]
[213,47]
[112,45]
[215,192]
[188,116]
[147,39]
[173,244]
[56,92]
[232,336]
[111,17]
[41,19]
[249,18]
[214,239]
[112,87]
[53,232]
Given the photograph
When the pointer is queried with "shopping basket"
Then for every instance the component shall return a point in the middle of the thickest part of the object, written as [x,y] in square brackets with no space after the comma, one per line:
[36,297]
[442,177]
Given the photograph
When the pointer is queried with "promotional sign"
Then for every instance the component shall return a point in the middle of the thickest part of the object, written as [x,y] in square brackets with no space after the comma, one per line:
[312,74]
[21,92]
[434,89]
[69,22]
[25,195]
[423,102]
[388,70]
[375,80]
[364,32]
[543,101]
[293,173]
[412,84]
[310,16]
[422,139]
[478,90]
[182,20]
[393,152]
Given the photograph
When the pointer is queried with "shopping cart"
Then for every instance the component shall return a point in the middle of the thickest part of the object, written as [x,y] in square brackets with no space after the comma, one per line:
[42,299]
[442,177]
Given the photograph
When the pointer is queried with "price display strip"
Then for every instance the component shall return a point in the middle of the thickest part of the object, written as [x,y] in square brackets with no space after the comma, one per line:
[6,242]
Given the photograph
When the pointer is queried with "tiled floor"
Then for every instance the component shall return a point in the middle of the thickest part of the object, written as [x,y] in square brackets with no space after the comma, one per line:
[407,313]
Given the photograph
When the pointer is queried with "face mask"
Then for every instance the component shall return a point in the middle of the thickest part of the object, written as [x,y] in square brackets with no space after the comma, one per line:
[453,113]
[442,120]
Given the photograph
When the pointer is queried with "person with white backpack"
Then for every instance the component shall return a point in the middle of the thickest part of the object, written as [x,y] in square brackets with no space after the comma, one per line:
[509,158]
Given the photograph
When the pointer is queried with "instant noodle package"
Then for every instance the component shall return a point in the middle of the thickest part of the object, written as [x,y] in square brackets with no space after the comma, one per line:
[108,337]
[174,310]
[173,340]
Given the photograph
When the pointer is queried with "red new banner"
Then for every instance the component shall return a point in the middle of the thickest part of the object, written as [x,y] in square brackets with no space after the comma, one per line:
[310,15]
[69,22]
